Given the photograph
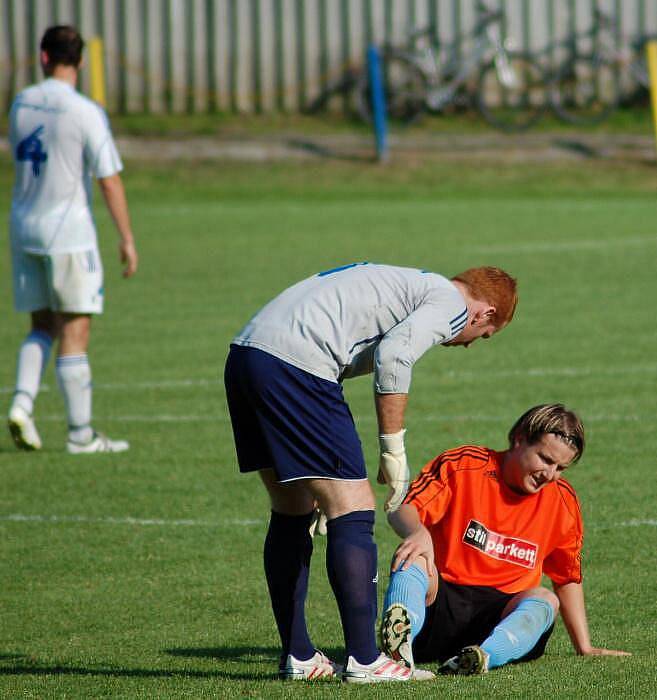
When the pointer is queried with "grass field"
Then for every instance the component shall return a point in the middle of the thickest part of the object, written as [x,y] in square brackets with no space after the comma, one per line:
[140,575]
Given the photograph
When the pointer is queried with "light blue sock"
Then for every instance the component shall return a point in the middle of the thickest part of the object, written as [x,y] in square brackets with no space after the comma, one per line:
[518,632]
[410,589]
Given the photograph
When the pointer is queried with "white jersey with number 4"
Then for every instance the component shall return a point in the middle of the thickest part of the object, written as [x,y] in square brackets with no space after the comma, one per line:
[59,139]
[358,319]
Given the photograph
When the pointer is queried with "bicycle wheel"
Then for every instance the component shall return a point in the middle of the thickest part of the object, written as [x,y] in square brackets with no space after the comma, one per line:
[584,90]
[511,92]
[404,87]
[638,90]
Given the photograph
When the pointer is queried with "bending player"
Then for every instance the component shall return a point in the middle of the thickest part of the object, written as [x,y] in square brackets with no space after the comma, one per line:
[291,423]
[480,528]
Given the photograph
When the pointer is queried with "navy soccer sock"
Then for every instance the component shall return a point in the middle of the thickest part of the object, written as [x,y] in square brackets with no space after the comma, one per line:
[351,565]
[288,548]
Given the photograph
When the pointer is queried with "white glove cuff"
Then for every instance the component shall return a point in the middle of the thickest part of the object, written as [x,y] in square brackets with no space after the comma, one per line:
[392,442]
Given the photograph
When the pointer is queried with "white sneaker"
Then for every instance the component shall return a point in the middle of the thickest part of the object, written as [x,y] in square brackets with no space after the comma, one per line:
[396,635]
[98,443]
[380,670]
[317,666]
[22,429]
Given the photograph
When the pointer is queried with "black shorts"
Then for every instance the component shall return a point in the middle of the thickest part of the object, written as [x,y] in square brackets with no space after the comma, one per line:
[461,616]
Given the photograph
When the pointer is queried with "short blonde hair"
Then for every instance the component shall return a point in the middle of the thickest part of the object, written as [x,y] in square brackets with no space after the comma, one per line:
[550,418]
[495,287]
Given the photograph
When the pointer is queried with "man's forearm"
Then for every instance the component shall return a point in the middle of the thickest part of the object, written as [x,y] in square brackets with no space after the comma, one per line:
[117,204]
[390,409]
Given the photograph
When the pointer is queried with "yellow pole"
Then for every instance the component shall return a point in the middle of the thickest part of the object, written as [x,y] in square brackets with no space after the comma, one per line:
[651,50]
[97,70]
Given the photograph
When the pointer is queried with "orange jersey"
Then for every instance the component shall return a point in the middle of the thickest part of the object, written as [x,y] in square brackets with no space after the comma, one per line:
[485,534]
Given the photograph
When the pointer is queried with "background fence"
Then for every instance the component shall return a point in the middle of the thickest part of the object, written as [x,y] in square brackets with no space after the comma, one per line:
[263,55]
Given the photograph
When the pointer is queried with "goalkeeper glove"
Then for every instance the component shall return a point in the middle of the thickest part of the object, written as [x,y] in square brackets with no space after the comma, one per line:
[393,469]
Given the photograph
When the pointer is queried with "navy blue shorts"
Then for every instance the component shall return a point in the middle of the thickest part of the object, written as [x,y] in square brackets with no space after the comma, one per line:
[289,420]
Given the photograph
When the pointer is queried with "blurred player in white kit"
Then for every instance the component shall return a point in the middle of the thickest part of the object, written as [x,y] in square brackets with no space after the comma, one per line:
[58,140]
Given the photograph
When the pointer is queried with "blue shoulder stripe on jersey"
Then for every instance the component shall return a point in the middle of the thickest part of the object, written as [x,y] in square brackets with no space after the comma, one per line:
[458,328]
[456,319]
[340,269]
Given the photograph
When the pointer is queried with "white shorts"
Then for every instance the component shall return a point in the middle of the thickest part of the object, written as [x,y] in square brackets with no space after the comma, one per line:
[66,282]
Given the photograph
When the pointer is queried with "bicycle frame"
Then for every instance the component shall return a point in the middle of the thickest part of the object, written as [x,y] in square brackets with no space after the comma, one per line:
[445,78]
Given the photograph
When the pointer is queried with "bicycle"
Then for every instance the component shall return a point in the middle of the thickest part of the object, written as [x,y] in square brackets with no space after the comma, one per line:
[584,88]
[509,85]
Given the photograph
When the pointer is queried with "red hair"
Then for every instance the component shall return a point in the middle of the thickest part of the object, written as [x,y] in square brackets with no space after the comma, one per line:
[495,287]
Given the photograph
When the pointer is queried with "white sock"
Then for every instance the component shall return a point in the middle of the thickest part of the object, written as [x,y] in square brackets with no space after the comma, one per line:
[74,379]
[33,357]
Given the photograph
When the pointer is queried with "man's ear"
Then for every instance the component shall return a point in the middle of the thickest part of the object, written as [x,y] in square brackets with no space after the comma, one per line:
[483,316]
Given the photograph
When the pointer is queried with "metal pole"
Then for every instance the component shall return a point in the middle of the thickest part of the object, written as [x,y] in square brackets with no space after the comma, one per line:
[378,103]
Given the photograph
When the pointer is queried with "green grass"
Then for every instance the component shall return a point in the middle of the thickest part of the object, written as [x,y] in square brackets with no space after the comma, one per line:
[99,607]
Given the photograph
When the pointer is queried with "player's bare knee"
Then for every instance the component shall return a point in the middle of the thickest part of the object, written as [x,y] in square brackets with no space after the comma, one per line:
[538,592]
[544,594]
[339,497]
[551,599]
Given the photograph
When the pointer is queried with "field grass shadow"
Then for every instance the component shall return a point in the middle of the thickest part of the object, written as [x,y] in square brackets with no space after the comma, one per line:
[37,669]
[238,654]
[243,654]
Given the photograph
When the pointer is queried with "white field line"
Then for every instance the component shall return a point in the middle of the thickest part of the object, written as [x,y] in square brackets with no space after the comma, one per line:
[557,247]
[147,522]
[367,418]
[123,386]
[20,518]
[451,374]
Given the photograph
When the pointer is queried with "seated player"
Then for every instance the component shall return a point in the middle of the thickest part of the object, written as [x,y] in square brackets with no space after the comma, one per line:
[480,528]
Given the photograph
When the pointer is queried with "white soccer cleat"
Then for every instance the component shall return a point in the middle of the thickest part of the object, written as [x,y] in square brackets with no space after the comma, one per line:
[381,670]
[396,635]
[98,443]
[316,667]
[22,429]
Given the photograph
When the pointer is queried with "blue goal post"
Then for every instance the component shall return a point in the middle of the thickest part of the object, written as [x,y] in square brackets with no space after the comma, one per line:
[377,96]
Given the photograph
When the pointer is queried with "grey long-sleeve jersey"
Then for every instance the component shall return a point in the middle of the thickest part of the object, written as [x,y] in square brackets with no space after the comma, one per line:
[359,318]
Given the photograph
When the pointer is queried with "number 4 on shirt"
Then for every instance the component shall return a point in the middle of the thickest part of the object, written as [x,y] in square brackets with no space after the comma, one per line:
[31,148]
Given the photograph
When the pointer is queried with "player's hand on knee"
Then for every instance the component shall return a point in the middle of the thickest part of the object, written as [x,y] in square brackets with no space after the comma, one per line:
[393,469]
[417,549]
